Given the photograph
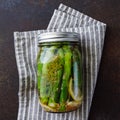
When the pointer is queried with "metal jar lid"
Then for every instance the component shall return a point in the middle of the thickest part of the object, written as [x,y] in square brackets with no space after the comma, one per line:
[58,37]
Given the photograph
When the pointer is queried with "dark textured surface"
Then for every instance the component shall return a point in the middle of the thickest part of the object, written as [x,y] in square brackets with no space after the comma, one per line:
[19,15]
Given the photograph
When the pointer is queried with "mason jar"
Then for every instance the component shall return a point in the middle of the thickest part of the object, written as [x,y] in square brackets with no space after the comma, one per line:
[59,71]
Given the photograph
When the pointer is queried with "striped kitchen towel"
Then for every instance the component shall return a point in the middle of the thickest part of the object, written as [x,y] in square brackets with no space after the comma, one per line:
[65,19]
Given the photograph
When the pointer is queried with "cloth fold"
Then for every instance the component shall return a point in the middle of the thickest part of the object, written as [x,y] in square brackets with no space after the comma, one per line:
[65,19]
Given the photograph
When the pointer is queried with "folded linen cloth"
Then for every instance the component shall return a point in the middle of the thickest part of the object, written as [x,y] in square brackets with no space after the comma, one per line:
[65,19]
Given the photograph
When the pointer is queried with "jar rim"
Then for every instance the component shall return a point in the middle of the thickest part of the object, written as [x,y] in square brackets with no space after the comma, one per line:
[58,37]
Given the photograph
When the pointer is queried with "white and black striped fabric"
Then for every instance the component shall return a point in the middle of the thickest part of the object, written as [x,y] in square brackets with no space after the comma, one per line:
[64,19]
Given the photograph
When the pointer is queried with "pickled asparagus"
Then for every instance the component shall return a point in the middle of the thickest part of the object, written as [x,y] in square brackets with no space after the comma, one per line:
[39,66]
[57,71]
[66,77]
[75,84]
[60,78]
[45,83]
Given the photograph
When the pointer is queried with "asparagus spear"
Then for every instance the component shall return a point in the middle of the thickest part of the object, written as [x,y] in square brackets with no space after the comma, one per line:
[66,77]
[79,59]
[75,84]
[45,83]
[41,54]
[58,70]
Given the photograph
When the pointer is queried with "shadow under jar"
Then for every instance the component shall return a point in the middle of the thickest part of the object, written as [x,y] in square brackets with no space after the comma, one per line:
[59,71]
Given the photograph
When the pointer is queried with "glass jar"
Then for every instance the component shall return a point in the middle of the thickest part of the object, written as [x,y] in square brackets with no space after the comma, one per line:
[59,71]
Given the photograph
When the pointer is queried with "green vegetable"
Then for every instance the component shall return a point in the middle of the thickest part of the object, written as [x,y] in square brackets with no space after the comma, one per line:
[45,82]
[66,77]
[41,54]
[59,77]
[79,62]
[56,72]
[75,84]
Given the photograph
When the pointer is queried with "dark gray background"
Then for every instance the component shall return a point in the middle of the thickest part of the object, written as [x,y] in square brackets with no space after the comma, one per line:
[20,15]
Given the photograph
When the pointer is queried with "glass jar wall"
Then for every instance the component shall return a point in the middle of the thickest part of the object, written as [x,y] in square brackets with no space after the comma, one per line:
[59,73]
